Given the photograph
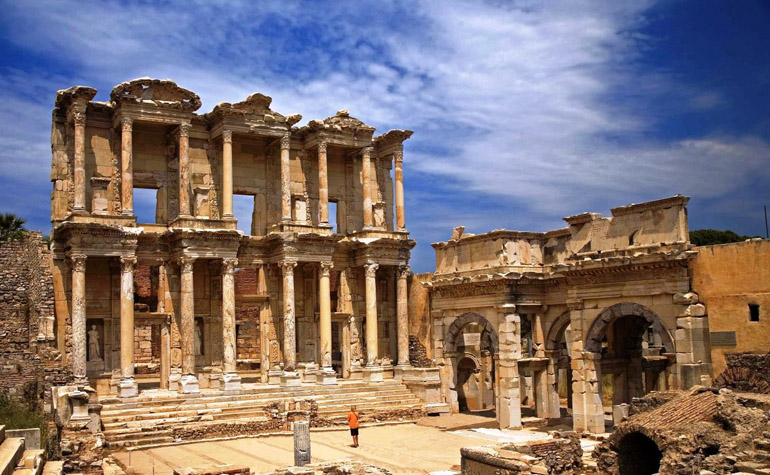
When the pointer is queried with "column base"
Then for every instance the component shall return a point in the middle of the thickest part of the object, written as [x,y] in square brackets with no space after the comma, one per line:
[399,370]
[356,373]
[127,387]
[189,384]
[328,377]
[291,379]
[79,406]
[173,381]
[274,376]
[373,374]
[232,382]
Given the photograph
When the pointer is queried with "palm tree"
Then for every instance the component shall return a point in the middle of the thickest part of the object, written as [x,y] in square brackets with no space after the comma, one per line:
[11,227]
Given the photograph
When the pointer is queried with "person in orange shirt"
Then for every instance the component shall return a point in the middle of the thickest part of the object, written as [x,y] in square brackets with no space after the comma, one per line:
[353,423]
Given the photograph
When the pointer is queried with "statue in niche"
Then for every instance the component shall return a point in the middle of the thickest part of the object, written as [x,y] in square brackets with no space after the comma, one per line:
[94,345]
[356,355]
[198,340]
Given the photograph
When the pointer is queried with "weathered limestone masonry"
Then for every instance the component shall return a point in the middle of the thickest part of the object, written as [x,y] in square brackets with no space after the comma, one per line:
[187,301]
[526,320]
[28,357]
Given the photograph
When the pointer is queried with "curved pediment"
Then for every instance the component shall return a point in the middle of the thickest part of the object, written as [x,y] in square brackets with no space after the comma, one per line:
[159,92]
[257,106]
[342,120]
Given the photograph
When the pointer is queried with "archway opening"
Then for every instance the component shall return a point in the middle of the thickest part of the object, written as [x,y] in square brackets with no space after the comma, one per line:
[469,389]
[475,383]
[638,455]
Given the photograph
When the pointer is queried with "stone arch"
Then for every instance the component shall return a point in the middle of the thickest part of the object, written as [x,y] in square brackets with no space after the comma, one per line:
[556,331]
[450,339]
[626,309]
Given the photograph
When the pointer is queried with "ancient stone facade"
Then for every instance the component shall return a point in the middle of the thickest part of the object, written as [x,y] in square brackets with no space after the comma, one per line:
[189,300]
[587,316]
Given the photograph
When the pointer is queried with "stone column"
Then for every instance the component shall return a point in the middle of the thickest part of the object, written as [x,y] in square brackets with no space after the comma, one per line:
[509,393]
[79,343]
[552,371]
[399,176]
[184,170]
[127,166]
[127,385]
[327,373]
[229,338]
[290,376]
[402,315]
[285,178]
[372,371]
[323,185]
[189,382]
[79,169]
[227,173]
[366,182]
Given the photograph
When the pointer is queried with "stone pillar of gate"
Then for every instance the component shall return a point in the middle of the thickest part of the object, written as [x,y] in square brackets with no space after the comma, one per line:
[587,408]
[508,395]
[552,371]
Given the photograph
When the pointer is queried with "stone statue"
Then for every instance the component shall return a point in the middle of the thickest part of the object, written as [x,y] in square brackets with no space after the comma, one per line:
[356,355]
[198,341]
[94,347]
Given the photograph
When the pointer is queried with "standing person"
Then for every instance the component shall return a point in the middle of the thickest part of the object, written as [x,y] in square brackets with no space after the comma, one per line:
[353,423]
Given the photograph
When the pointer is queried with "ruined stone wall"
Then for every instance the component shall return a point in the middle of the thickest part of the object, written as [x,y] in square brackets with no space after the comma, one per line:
[420,328]
[729,277]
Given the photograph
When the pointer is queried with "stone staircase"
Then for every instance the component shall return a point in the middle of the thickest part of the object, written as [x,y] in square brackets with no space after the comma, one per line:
[16,460]
[757,460]
[150,420]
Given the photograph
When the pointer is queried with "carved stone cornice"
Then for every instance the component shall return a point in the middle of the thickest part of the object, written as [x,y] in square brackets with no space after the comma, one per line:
[227,136]
[367,152]
[371,269]
[161,93]
[326,267]
[229,264]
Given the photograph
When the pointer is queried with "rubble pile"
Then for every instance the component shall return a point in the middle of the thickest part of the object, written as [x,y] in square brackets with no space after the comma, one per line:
[560,455]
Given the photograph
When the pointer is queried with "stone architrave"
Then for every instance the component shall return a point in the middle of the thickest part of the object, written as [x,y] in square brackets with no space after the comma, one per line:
[290,376]
[189,381]
[227,173]
[79,345]
[509,396]
[402,315]
[79,168]
[230,377]
[373,370]
[127,386]
[126,166]
[324,298]
[285,178]
[366,183]
[184,169]
[399,177]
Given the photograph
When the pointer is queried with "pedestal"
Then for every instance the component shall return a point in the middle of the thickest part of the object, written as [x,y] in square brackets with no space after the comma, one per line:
[356,373]
[79,406]
[274,376]
[127,387]
[310,374]
[173,380]
[232,382]
[373,374]
[188,384]
[399,370]
[291,379]
[328,377]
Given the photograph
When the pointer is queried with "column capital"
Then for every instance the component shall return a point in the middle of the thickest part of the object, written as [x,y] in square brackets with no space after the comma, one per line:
[287,266]
[404,271]
[126,124]
[367,151]
[227,136]
[575,304]
[186,263]
[371,268]
[127,263]
[228,264]
[322,146]
[326,267]
[184,129]
[78,262]
[286,141]
[398,156]
[79,118]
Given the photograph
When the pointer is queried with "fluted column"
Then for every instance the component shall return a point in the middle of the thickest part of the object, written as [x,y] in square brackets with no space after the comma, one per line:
[285,178]
[328,374]
[289,329]
[128,386]
[126,166]
[227,173]
[399,175]
[189,382]
[79,169]
[184,169]
[366,181]
[79,343]
[229,338]
[323,185]
[402,315]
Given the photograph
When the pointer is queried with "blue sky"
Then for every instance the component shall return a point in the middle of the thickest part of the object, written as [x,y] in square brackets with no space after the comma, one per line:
[523,112]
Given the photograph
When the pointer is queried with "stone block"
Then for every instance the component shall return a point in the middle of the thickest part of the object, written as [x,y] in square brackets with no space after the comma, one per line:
[189,384]
[696,310]
[687,298]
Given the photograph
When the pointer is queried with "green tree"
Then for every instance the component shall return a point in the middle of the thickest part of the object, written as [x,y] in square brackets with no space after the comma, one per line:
[707,237]
[11,227]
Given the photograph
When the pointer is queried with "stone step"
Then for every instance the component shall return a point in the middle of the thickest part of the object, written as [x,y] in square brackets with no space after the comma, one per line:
[31,463]
[53,467]
[156,441]
[11,451]
[762,444]
[137,435]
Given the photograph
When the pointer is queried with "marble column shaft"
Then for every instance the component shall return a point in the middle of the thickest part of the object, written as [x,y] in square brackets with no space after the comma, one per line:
[184,169]
[325,323]
[285,178]
[228,315]
[366,182]
[289,328]
[372,339]
[127,316]
[79,342]
[399,176]
[227,173]
[187,303]
[323,184]
[402,315]
[126,166]
[79,168]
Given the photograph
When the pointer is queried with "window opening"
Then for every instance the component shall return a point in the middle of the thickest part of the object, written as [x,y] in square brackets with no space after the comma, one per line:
[333,215]
[243,211]
[146,205]
[753,312]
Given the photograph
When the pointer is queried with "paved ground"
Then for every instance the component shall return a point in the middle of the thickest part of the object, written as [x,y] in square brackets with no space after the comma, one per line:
[405,448]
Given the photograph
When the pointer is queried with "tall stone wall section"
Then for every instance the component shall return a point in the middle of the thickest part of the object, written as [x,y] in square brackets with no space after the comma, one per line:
[29,362]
